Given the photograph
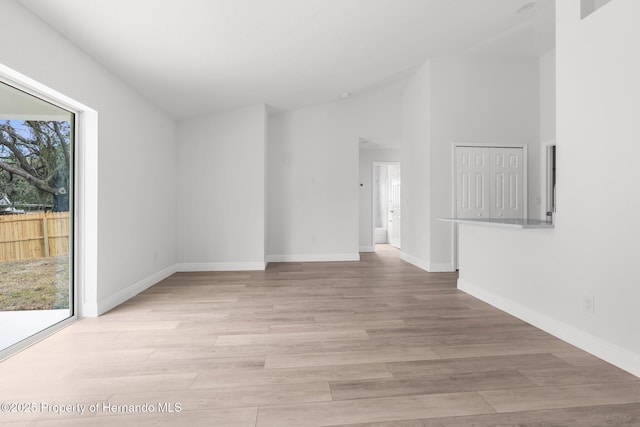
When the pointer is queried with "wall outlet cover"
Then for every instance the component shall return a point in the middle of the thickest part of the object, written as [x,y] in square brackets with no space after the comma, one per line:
[589,304]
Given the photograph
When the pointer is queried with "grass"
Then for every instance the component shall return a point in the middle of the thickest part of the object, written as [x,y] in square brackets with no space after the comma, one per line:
[36,284]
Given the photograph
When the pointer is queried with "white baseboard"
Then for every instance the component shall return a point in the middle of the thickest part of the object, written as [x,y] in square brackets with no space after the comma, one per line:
[313,257]
[426,266]
[102,306]
[605,350]
[414,261]
[367,248]
[220,266]
[94,309]
[441,268]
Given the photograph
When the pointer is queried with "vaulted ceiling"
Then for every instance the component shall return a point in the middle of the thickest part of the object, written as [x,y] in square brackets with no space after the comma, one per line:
[199,56]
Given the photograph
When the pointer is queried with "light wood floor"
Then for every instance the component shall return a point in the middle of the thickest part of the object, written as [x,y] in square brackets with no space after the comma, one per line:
[375,343]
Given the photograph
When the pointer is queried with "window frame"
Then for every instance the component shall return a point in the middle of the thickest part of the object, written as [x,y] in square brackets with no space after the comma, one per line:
[83,213]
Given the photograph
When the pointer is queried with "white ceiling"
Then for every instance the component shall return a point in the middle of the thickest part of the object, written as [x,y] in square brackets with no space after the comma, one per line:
[199,56]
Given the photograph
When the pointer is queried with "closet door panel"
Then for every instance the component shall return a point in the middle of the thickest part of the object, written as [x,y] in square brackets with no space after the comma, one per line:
[473,179]
[507,190]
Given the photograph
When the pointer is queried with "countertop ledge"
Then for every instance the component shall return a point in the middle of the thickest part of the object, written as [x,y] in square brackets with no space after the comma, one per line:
[502,222]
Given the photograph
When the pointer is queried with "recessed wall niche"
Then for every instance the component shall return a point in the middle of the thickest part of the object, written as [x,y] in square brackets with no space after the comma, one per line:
[587,7]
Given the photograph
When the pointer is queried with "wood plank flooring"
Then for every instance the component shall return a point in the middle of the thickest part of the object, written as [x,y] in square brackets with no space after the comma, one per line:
[376,343]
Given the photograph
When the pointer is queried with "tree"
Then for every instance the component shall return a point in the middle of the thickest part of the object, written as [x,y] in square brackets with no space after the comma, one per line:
[35,162]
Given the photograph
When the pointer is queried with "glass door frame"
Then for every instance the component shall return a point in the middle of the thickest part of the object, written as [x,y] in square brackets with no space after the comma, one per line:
[26,85]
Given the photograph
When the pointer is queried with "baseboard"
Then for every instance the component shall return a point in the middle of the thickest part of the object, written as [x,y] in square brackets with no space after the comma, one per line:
[414,261]
[220,266]
[367,248]
[605,350]
[313,257]
[441,268]
[426,266]
[102,306]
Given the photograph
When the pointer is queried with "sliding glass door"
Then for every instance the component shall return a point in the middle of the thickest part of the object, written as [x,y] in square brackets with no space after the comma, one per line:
[36,216]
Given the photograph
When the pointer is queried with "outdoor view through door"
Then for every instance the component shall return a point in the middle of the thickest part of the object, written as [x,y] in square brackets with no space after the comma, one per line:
[36,202]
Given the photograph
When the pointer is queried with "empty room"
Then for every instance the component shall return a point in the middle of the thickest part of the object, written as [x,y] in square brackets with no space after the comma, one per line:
[380,213]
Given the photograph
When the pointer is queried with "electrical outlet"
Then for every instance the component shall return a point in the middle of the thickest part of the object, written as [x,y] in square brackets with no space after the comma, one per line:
[589,304]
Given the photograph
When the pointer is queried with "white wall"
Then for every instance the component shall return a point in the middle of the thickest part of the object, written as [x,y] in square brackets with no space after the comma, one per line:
[221,191]
[548,96]
[313,201]
[547,119]
[544,276]
[367,158]
[463,99]
[136,157]
[479,99]
[415,177]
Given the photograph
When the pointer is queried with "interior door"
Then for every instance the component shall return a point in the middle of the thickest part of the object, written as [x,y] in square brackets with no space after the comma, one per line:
[395,217]
[489,182]
[507,183]
[472,181]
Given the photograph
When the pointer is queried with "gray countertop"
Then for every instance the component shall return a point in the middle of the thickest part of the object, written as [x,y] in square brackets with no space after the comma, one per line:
[502,222]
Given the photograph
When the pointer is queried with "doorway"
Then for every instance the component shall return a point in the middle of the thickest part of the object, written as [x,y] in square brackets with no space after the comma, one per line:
[387,215]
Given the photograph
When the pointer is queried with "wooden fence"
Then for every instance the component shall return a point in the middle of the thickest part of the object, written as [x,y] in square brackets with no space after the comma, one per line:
[34,235]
